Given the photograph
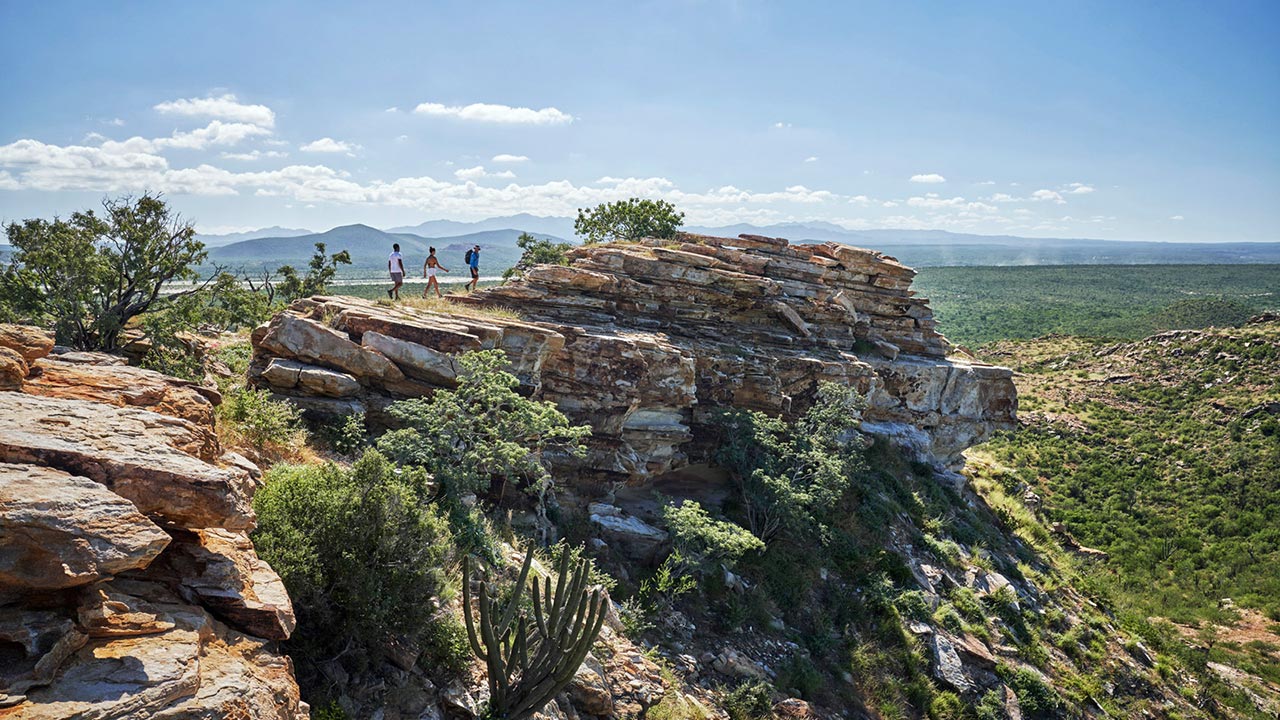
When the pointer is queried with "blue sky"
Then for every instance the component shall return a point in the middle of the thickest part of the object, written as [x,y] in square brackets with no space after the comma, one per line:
[1145,121]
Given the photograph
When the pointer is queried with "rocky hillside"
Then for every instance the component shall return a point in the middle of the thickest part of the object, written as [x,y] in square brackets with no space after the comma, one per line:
[128,584]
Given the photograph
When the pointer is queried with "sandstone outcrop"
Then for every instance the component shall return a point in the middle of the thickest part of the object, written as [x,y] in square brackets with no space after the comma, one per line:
[647,341]
[128,585]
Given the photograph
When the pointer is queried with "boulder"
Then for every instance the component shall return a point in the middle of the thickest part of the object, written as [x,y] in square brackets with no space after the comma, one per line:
[947,666]
[164,465]
[418,361]
[294,337]
[220,570]
[32,343]
[589,691]
[59,531]
[13,369]
[291,374]
[124,386]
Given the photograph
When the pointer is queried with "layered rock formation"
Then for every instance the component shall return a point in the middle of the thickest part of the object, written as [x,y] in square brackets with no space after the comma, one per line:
[647,341]
[128,585]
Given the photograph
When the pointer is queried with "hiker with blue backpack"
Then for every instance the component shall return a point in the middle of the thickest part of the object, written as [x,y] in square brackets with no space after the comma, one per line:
[473,260]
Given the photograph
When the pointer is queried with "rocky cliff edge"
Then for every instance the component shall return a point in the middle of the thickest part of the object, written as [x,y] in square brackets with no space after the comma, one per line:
[646,341]
[128,584]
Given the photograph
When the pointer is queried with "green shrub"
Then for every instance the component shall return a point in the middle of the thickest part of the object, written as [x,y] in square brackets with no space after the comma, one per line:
[749,701]
[1037,698]
[259,420]
[703,539]
[347,437]
[538,252]
[445,649]
[792,475]
[360,552]
[482,431]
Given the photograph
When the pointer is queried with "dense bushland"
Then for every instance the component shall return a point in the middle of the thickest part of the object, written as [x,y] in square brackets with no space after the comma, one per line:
[977,305]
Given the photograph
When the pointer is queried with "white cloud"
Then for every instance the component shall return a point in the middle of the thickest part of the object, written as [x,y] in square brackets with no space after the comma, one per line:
[1048,195]
[116,122]
[987,182]
[929,178]
[1080,189]
[478,172]
[329,145]
[254,155]
[506,158]
[402,138]
[215,133]
[781,125]
[811,158]
[860,199]
[932,201]
[493,113]
[224,107]
[1176,217]
[1003,197]
[889,204]
[392,109]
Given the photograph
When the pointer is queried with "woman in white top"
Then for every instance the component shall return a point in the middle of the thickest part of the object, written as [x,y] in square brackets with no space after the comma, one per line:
[429,272]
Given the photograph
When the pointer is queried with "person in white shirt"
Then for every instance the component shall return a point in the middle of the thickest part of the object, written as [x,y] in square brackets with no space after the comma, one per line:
[395,265]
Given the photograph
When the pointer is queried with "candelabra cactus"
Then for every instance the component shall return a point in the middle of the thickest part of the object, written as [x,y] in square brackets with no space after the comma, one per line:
[530,662]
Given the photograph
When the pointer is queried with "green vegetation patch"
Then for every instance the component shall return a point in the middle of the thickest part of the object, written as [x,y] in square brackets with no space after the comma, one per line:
[977,305]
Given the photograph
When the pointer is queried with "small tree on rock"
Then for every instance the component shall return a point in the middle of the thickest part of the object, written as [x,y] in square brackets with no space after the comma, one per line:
[538,252]
[630,219]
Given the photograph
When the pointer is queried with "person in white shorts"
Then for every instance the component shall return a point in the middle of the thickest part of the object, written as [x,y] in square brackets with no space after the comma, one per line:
[395,265]
[429,272]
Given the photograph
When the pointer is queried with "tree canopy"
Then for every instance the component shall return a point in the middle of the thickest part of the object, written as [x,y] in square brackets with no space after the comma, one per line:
[90,275]
[630,219]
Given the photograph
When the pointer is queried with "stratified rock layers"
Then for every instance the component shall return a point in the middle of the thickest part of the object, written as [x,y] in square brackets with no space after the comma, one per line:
[128,584]
[646,341]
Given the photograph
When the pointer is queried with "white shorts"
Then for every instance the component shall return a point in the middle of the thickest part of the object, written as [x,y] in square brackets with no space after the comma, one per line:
[431,272]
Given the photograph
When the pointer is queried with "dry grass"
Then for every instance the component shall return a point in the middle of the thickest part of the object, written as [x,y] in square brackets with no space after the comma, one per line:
[447,307]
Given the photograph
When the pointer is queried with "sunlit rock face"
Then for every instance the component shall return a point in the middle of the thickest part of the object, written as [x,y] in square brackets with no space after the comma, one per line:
[128,583]
[647,341]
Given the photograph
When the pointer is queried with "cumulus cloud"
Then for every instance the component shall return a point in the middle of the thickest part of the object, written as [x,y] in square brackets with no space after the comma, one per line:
[811,158]
[928,178]
[215,133]
[478,172]
[1048,196]
[1176,217]
[494,113]
[117,122]
[506,158]
[392,109]
[224,107]
[781,125]
[1079,189]
[329,145]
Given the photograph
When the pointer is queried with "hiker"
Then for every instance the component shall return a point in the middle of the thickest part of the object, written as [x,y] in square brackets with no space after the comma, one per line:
[473,259]
[395,265]
[429,272]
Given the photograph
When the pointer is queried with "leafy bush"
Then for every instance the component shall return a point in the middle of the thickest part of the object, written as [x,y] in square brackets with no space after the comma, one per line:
[347,437]
[482,431]
[361,553]
[538,252]
[749,701]
[791,475]
[260,421]
[703,539]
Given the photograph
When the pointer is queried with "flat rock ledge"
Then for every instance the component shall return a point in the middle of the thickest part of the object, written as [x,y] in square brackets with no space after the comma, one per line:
[129,587]
[646,341]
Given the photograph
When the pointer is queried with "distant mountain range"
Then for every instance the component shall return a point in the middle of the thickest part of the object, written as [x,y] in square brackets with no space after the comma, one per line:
[228,238]
[370,246]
